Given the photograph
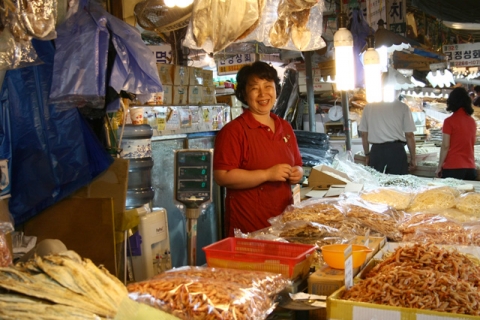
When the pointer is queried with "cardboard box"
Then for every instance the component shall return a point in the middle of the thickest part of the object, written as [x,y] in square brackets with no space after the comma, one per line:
[168,95]
[317,87]
[324,181]
[165,72]
[180,95]
[181,75]
[208,78]
[208,95]
[195,94]
[316,72]
[325,176]
[227,99]
[316,79]
[196,77]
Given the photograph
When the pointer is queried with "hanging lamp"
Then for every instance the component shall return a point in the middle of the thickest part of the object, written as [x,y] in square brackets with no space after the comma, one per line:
[372,71]
[344,68]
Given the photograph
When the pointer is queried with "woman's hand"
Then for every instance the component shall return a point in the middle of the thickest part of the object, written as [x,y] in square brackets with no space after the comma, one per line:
[438,172]
[296,175]
[279,172]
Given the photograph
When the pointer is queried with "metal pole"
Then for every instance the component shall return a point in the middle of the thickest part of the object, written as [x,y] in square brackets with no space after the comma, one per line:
[346,122]
[310,94]
[192,215]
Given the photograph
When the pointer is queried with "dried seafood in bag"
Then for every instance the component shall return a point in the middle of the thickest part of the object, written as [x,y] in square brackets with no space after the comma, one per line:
[394,198]
[434,198]
[218,23]
[422,276]
[38,18]
[470,203]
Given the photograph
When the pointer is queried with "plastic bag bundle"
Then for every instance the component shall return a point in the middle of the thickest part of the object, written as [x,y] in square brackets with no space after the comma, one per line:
[38,18]
[202,298]
[16,50]
[291,25]
[215,24]
[269,283]
[377,217]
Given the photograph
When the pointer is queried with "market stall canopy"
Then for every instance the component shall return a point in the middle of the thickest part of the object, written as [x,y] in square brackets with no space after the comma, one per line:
[448,10]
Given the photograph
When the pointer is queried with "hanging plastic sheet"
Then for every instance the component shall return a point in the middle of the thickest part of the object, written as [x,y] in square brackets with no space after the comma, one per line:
[53,152]
[360,30]
[134,69]
[80,62]
[82,56]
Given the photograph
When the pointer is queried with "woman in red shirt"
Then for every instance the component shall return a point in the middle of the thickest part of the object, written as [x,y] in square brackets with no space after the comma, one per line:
[459,134]
[256,155]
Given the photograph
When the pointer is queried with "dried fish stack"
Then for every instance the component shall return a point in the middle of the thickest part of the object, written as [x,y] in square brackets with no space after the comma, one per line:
[62,286]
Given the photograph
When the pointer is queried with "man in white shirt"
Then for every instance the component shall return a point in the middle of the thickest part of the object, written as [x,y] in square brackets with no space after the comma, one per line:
[387,127]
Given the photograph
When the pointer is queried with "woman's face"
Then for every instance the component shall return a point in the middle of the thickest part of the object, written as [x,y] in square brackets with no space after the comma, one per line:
[260,95]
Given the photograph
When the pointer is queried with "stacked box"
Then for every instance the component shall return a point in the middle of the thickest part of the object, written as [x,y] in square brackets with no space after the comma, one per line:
[196,76]
[181,75]
[208,94]
[180,95]
[207,78]
[195,94]
[165,72]
[167,95]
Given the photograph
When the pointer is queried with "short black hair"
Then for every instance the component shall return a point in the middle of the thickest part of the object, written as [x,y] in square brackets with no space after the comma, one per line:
[476,88]
[459,98]
[258,69]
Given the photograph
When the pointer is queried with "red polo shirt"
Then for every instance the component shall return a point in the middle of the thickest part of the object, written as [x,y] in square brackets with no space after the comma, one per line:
[462,130]
[245,143]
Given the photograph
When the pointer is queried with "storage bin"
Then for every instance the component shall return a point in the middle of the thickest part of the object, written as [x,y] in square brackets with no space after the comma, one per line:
[289,259]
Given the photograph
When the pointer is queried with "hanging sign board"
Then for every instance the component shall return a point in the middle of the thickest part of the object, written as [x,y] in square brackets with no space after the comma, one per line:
[376,10]
[463,55]
[233,64]
[162,53]
[396,16]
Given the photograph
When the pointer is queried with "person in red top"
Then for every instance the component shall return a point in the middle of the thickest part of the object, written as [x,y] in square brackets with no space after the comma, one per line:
[459,134]
[256,155]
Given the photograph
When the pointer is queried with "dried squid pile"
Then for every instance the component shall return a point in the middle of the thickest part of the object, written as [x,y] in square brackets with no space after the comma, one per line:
[425,277]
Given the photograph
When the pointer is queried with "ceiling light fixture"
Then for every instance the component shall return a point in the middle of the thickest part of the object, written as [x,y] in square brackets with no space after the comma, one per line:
[372,71]
[440,75]
[344,68]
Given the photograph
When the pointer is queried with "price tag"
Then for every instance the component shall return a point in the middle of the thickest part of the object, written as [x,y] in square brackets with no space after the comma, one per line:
[296,194]
[348,267]
[161,124]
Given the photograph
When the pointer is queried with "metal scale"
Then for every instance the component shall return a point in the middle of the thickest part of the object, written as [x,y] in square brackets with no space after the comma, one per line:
[193,188]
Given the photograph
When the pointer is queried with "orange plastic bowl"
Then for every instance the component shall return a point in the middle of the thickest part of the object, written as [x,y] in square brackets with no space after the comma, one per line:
[333,255]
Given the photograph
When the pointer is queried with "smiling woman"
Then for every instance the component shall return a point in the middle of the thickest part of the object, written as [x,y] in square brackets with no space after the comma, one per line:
[256,155]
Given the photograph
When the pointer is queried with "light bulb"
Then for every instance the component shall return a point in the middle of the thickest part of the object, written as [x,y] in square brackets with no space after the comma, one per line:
[184,3]
[344,65]
[373,76]
[169,3]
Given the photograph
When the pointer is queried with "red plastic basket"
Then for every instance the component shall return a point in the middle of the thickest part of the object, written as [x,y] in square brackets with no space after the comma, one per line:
[289,259]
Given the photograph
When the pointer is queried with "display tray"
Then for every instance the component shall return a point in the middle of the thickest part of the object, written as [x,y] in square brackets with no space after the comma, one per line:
[289,259]
[338,308]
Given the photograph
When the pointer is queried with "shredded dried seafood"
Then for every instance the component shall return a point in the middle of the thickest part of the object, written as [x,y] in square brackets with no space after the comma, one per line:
[425,277]
[434,198]
[397,199]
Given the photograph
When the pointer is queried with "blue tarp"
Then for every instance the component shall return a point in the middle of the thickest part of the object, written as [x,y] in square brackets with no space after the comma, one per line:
[53,152]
